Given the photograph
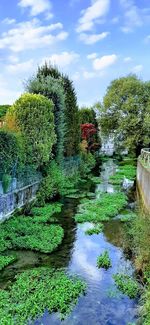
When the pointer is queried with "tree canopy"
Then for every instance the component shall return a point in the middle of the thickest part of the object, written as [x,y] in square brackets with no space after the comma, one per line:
[32,116]
[126,112]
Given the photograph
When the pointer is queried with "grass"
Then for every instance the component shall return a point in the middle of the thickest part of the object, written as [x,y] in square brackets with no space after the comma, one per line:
[37,290]
[102,209]
[126,285]
[6,260]
[97,229]
[95,180]
[22,232]
[104,261]
[127,171]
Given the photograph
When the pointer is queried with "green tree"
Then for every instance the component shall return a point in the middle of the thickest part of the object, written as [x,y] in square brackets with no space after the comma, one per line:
[71,116]
[125,112]
[52,89]
[34,119]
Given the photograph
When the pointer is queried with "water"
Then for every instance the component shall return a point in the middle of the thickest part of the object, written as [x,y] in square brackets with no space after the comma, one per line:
[102,304]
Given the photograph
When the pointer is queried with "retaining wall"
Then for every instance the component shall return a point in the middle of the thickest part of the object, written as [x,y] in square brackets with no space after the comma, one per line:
[17,199]
[143,184]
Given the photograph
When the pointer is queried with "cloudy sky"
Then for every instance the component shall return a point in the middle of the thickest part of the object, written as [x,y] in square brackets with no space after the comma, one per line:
[94,41]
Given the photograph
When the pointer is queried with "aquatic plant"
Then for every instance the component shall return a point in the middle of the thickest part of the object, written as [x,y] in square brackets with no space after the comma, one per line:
[45,214]
[127,171]
[22,232]
[126,285]
[6,260]
[98,210]
[104,261]
[37,290]
[95,230]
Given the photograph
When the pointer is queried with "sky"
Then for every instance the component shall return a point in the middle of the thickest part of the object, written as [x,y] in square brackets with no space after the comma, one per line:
[93,41]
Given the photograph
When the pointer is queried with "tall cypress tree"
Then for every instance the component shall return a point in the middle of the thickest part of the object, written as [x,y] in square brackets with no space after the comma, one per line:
[71,114]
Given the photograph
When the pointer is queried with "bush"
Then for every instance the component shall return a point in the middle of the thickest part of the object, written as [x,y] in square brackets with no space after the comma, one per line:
[6,179]
[33,116]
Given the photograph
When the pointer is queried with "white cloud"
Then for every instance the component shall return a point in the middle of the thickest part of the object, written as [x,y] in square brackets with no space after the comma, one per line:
[127,59]
[21,67]
[36,6]
[137,68]
[132,16]
[7,95]
[63,59]
[92,56]
[104,61]
[88,74]
[75,76]
[13,59]
[93,38]
[31,35]
[9,21]
[89,16]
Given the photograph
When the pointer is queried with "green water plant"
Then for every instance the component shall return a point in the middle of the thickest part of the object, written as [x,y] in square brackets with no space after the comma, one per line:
[22,232]
[127,171]
[127,285]
[101,209]
[37,290]
[46,213]
[103,260]
[97,229]
[6,260]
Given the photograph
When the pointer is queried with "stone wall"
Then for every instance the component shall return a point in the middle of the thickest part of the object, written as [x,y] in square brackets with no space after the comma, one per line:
[17,199]
[143,184]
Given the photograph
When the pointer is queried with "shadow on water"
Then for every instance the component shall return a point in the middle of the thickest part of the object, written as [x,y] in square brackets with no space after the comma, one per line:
[102,304]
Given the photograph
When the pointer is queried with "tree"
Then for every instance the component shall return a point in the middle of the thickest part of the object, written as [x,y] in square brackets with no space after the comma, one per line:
[33,117]
[71,116]
[125,111]
[52,89]
[89,127]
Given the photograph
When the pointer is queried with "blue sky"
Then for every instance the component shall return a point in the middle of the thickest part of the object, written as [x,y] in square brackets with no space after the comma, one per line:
[94,41]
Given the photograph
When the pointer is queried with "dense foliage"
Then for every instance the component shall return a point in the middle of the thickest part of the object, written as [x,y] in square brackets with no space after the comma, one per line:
[89,129]
[104,261]
[37,290]
[71,116]
[6,260]
[98,210]
[52,89]
[33,117]
[30,233]
[3,111]
[125,112]
[11,153]
[126,285]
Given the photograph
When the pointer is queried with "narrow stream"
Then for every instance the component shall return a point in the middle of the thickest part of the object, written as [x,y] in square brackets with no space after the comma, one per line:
[102,304]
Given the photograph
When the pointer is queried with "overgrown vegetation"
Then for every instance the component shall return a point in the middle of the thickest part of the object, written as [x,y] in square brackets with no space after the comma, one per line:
[126,285]
[97,229]
[104,260]
[6,260]
[126,171]
[37,290]
[28,233]
[102,209]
